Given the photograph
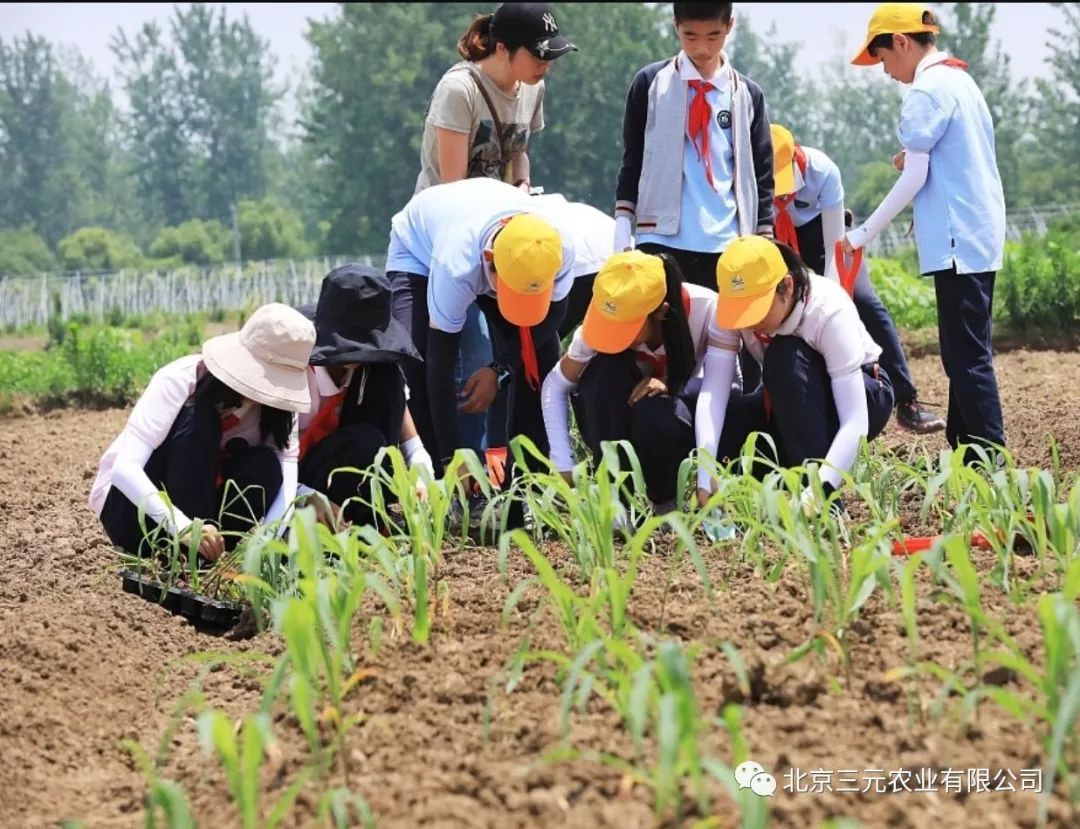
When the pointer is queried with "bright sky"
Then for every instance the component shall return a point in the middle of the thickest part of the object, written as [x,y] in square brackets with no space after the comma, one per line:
[825,30]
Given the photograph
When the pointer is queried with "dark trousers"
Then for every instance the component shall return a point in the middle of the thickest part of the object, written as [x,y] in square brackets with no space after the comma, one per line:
[365,426]
[347,446]
[804,420]
[186,467]
[409,307]
[965,330]
[525,415]
[874,315]
[661,428]
[577,304]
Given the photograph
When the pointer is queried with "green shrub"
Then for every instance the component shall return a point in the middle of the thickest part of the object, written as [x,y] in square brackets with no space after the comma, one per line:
[1039,286]
[94,365]
[909,299]
[195,242]
[269,230]
[23,252]
[97,249]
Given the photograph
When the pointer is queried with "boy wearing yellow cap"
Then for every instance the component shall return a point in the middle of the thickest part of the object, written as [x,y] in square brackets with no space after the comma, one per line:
[810,219]
[697,156]
[949,169]
[633,369]
[479,240]
[823,387]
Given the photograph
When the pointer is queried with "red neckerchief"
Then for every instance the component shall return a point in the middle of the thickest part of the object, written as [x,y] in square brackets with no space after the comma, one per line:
[956,63]
[785,227]
[325,422]
[699,122]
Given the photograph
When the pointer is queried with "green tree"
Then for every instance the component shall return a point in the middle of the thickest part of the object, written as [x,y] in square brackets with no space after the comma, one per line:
[374,69]
[202,102]
[225,73]
[156,130]
[97,249]
[789,94]
[195,242]
[58,150]
[579,151]
[859,109]
[23,252]
[1053,156]
[269,230]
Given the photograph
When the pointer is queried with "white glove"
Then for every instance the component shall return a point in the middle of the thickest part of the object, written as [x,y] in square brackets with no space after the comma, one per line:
[624,239]
[416,455]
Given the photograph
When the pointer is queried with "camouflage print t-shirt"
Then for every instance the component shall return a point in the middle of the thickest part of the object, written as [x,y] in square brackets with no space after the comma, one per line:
[457,104]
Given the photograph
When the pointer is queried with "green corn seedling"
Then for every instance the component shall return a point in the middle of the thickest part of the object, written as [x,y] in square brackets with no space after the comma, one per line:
[242,760]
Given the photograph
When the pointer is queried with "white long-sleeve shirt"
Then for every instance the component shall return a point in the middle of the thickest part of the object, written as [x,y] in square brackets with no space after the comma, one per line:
[123,463]
[826,321]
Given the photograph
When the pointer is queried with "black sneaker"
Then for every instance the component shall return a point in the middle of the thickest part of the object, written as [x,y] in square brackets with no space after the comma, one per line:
[914,417]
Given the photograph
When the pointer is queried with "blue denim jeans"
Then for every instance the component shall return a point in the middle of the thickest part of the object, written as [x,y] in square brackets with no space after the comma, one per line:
[479,431]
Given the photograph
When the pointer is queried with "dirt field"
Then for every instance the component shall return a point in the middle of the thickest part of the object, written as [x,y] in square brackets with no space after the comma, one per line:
[84,666]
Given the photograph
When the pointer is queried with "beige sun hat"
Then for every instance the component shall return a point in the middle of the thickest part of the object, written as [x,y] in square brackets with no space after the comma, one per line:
[266,360]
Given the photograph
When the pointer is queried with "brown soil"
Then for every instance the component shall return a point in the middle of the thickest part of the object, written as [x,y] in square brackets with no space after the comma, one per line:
[85,667]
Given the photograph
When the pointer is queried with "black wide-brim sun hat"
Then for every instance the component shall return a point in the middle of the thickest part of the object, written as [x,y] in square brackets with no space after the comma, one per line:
[353,323]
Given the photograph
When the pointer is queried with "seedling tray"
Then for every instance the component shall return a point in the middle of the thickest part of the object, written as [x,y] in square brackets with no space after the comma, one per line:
[202,611]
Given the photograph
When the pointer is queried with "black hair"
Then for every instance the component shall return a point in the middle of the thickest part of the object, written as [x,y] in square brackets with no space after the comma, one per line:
[884,41]
[800,274]
[675,329]
[702,11]
[273,423]
[478,42]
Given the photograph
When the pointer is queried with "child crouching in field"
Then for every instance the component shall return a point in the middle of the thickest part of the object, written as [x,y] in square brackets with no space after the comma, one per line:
[357,389]
[214,437]
[823,387]
[633,369]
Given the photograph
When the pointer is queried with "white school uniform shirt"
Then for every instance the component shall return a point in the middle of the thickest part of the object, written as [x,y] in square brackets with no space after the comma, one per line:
[442,233]
[827,321]
[820,188]
[709,214]
[148,426]
[960,210]
[593,232]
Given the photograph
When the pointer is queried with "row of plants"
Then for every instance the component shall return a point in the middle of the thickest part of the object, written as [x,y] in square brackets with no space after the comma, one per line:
[323,590]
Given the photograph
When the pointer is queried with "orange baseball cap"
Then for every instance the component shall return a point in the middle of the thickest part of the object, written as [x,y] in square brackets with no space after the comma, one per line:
[783,148]
[895,18]
[746,278]
[527,256]
[629,286]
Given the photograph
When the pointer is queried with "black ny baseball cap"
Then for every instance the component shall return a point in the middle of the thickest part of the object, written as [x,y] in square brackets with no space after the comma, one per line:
[533,26]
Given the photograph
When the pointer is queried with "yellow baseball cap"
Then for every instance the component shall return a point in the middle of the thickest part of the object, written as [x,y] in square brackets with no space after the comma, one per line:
[746,278]
[527,255]
[783,149]
[629,286]
[895,18]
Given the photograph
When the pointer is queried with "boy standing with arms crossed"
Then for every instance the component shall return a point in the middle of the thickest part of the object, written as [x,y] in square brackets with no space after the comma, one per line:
[948,166]
[697,166]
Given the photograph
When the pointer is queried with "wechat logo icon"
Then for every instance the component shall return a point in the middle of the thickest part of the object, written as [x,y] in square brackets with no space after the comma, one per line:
[752,776]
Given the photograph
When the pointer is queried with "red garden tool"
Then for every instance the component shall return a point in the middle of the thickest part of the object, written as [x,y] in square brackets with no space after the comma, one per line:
[847,275]
[911,544]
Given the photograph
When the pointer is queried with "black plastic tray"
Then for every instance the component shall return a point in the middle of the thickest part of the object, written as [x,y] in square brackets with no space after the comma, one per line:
[202,611]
